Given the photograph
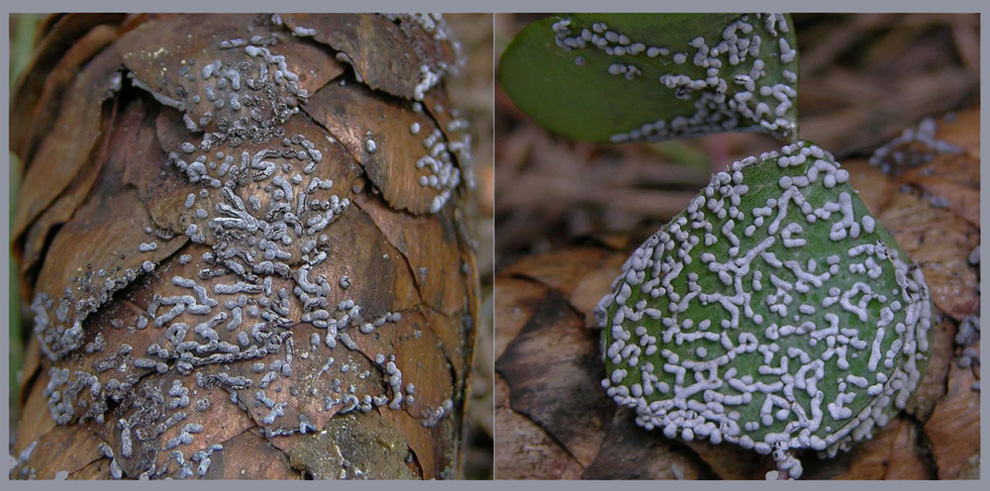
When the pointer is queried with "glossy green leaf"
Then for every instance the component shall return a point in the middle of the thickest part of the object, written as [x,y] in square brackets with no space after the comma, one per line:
[622,77]
[774,312]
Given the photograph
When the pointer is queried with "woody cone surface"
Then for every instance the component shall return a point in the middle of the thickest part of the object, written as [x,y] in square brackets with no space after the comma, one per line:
[241,239]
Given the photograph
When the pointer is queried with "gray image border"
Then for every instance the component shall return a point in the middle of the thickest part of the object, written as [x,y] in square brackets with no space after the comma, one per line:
[482,6]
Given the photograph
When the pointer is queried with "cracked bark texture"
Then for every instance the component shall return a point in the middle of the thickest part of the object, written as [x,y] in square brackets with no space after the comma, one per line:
[236,266]
[554,421]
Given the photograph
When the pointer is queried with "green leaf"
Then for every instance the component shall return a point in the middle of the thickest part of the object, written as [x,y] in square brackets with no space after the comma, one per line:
[23,43]
[773,312]
[617,77]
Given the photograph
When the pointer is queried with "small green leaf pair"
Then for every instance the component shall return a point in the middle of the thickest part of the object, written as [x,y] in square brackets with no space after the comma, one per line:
[773,312]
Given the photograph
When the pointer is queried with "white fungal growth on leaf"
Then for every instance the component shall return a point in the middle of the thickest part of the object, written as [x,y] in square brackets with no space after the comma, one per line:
[730,78]
[788,336]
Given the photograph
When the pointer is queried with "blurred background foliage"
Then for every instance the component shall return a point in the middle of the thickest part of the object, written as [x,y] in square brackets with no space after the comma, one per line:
[472,91]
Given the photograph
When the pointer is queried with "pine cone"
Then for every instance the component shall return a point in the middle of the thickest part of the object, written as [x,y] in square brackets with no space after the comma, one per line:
[242,241]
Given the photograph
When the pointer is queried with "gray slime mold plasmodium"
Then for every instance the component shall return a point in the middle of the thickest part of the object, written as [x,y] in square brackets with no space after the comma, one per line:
[774,313]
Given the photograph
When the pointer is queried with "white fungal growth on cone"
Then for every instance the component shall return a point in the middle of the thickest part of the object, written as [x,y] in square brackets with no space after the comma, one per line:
[258,219]
[441,171]
[735,92]
[773,313]
[435,25]
[428,80]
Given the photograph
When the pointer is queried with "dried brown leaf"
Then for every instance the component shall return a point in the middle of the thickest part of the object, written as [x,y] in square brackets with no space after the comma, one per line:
[631,453]
[940,241]
[523,449]
[554,371]
[894,452]
[848,129]
[933,385]
[726,461]
[558,269]
[874,187]
[963,131]
[909,459]
[596,284]
[954,178]
[954,428]
[516,300]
